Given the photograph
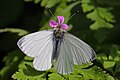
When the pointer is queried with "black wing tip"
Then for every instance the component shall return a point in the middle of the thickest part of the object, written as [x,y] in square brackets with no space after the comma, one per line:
[93,55]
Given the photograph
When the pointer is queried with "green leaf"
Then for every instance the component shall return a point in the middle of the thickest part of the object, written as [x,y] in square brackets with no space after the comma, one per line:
[87,8]
[100,24]
[25,74]
[86,1]
[12,61]
[101,16]
[28,74]
[36,1]
[117,67]
[49,3]
[56,76]
[116,57]
[44,3]
[20,32]
[109,78]
[81,73]
[109,64]
[111,61]
[94,73]
[75,77]
[105,14]
[26,60]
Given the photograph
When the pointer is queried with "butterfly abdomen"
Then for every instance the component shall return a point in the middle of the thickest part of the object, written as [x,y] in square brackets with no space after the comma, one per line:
[57,40]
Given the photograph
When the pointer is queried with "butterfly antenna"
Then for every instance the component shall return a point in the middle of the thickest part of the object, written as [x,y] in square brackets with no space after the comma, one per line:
[73,14]
[51,12]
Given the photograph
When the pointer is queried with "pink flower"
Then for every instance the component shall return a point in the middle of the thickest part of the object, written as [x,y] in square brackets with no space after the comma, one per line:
[60,22]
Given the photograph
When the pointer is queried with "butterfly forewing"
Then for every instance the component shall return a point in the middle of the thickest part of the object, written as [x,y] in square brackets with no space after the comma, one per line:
[40,46]
[81,52]
[33,43]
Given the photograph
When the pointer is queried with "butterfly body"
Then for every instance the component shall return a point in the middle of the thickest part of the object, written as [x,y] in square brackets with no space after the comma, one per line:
[57,40]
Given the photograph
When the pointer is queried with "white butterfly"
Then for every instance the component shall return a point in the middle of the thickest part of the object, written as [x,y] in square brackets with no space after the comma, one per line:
[56,46]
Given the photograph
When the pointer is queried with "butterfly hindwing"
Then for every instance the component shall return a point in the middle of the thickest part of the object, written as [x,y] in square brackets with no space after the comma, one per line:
[64,62]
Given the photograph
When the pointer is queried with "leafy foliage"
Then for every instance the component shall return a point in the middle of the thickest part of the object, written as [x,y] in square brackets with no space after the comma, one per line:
[101,16]
[97,23]
[79,72]
[12,60]
[28,74]
[20,32]
[111,62]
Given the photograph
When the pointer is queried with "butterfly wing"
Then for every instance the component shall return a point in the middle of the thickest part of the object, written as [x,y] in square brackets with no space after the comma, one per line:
[40,46]
[72,51]
[64,62]
[79,50]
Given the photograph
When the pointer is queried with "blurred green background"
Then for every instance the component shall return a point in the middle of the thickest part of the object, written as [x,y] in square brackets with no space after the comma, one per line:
[97,23]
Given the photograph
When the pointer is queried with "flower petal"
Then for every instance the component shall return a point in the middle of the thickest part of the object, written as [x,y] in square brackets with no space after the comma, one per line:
[53,23]
[65,26]
[60,19]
